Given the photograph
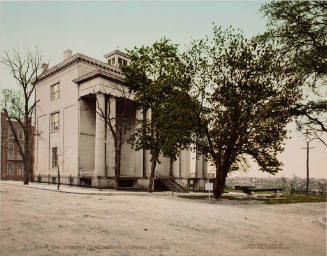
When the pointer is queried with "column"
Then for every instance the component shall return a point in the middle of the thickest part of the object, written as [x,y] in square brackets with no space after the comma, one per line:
[138,154]
[176,168]
[180,165]
[99,157]
[111,153]
[185,161]
[199,165]
[204,167]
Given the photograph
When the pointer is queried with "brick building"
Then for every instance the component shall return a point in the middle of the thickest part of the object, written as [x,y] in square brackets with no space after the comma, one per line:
[12,164]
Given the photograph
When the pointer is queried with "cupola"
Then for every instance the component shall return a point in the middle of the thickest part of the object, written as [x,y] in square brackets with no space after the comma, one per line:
[117,58]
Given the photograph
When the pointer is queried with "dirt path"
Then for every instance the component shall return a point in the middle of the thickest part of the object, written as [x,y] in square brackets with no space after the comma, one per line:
[38,222]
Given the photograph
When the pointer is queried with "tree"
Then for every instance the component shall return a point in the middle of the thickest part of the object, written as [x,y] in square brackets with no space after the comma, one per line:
[312,119]
[294,184]
[18,105]
[244,89]
[117,124]
[157,79]
[300,29]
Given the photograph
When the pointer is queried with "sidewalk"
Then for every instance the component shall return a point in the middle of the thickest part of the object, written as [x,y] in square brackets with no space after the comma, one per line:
[73,189]
[105,192]
[89,191]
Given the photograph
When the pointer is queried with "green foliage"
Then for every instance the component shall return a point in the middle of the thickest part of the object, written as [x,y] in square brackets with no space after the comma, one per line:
[285,199]
[231,96]
[13,101]
[245,89]
[296,198]
[194,197]
[159,82]
[311,119]
[300,27]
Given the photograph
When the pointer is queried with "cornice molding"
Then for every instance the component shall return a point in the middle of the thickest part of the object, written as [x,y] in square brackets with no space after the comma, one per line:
[77,58]
[101,73]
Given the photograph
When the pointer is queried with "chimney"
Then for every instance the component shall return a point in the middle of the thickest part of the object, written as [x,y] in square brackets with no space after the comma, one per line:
[44,67]
[67,54]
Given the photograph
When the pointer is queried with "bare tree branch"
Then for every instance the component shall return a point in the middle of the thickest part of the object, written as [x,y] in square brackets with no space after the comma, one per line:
[17,104]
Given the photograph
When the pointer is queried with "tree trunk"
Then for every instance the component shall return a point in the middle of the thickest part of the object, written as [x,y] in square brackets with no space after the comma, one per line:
[171,174]
[26,159]
[219,181]
[153,168]
[117,166]
[26,166]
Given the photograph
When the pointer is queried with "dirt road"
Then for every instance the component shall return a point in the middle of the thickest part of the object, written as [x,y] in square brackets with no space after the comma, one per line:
[37,222]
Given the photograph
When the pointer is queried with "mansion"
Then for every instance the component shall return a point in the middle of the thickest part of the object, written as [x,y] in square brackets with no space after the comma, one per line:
[74,138]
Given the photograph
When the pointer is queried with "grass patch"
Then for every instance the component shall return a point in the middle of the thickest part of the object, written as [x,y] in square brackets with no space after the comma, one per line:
[285,199]
[264,192]
[194,197]
[222,197]
[296,198]
[233,190]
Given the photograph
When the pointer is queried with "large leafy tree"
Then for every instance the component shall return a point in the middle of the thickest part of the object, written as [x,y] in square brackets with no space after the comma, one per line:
[300,29]
[159,84]
[244,91]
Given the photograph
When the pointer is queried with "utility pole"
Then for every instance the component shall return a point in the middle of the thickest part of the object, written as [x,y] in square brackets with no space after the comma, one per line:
[308,149]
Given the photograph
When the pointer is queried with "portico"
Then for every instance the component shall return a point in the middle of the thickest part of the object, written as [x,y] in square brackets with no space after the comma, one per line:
[100,97]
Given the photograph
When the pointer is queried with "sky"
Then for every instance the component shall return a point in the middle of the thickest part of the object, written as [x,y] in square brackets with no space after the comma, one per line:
[96,28]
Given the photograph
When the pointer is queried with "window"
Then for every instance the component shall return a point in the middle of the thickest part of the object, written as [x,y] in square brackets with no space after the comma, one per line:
[20,168]
[54,157]
[20,134]
[122,62]
[10,151]
[112,61]
[55,121]
[10,168]
[19,156]
[10,133]
[55,91]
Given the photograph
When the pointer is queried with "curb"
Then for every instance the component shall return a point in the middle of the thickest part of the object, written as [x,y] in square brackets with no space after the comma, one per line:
[60,191]
[90,193]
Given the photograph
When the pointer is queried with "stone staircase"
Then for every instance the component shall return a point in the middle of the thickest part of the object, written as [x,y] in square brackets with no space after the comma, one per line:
[171,185]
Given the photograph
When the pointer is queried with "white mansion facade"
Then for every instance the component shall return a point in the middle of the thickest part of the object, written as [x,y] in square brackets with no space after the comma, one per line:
[73,137]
